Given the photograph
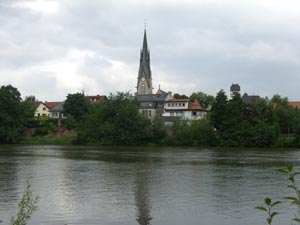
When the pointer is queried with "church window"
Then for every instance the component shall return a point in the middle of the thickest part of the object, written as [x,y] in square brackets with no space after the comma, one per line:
[143,88]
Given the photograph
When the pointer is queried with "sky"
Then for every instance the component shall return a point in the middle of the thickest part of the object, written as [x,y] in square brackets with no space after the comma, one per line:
[50,48]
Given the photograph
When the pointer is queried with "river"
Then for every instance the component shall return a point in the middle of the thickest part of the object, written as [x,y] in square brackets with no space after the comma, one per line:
[145,185]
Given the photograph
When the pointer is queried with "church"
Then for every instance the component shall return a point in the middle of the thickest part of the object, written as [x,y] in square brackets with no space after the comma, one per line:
[150,105]
[161,103]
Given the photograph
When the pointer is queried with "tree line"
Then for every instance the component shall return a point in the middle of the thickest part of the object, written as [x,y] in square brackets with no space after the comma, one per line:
[117,121]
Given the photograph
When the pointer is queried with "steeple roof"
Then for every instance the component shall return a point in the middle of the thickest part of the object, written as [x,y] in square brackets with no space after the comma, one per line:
[144,70]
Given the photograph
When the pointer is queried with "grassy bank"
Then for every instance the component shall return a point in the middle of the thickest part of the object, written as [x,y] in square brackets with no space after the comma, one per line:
[48,140]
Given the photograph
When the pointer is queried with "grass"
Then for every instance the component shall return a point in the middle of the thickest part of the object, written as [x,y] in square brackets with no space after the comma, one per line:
[48,140]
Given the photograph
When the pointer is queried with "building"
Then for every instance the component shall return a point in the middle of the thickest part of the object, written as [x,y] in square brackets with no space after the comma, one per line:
[234,90]
[183,109]
[295,104]
[96,99]
[250,99]
[150,105]
[144,80]
[41,109]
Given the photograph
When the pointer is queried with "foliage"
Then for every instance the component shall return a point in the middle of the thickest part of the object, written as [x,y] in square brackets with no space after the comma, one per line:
[116,122]
[14,114]
[217,115]
[159,132]
[294,200]
[197,133]
[180,96]
[44,125]
[77,106]
[268,208]
[27,206]
[205,100]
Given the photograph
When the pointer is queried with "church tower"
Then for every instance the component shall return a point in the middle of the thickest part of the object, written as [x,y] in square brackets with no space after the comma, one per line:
[144,80]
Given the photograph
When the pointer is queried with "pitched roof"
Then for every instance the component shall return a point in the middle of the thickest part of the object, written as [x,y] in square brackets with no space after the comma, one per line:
[295,104]
[195,105]
[51,105]
[96,99]
[248,99]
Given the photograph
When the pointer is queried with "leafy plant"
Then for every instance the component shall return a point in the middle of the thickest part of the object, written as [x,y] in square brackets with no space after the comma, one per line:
[268,208]
[27,206]
[295,200]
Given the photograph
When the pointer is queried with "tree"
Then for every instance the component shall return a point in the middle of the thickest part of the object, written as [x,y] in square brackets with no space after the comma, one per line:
[116,122]
[231,126]
[12,114]
[217,112]
[205,100]
[180,96]
[77,106]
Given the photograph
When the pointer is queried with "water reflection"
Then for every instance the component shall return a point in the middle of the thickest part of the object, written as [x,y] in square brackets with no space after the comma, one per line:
[142,200]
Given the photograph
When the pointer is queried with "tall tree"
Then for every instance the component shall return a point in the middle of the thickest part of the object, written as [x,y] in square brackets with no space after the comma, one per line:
[13,114]
[218,108]
[77,106]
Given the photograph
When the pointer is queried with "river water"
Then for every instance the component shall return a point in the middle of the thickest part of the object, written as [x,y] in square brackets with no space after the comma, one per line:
[143,186]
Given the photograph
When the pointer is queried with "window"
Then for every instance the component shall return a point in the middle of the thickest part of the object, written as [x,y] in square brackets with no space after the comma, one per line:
[183,104]
[194,113]
[143,88]
[149,113]
[44,108]
[171,114]
[169,104]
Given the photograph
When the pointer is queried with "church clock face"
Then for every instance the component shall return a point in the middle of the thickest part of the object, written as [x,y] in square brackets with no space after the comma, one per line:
[143,79]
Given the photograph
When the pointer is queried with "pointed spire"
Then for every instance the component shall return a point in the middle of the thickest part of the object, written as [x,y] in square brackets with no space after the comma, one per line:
[145,44]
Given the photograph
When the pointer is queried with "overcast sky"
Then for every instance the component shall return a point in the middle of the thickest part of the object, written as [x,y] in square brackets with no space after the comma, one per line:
[50,48]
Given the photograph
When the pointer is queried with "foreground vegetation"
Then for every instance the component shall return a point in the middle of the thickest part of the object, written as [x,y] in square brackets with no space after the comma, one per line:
[116,121]
[26,207]
[269,206]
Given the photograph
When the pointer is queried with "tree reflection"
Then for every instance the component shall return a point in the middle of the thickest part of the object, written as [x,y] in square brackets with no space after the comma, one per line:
[142,201]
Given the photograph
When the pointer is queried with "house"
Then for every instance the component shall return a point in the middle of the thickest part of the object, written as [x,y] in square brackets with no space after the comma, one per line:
[96,99]
[295,104]
[250,99]
[41,109]
[57,113]
[183,109]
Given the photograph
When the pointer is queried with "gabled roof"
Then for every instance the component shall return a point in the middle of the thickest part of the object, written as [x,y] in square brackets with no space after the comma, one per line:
[58,108]
[248,99]
[51,105]
[295,104]
[38,103]
[98,98]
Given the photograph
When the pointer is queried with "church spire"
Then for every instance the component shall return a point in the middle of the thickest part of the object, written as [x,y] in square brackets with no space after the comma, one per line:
[144,84]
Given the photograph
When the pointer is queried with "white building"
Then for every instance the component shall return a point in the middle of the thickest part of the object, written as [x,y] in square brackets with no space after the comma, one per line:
[184,109]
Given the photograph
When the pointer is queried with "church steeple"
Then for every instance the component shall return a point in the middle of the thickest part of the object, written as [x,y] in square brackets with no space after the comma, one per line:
[144,82]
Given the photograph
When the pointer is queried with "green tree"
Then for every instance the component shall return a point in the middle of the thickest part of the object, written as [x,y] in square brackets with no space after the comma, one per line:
[116,122]
[231,126]
[180,96]
[218,108]
[13,114]
[77,106]
[205,100]
[159,132]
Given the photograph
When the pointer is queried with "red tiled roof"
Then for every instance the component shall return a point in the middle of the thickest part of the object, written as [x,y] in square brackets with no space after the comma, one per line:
[99,99]
[195,105]
[295,104]
[51,105]
[37,103]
